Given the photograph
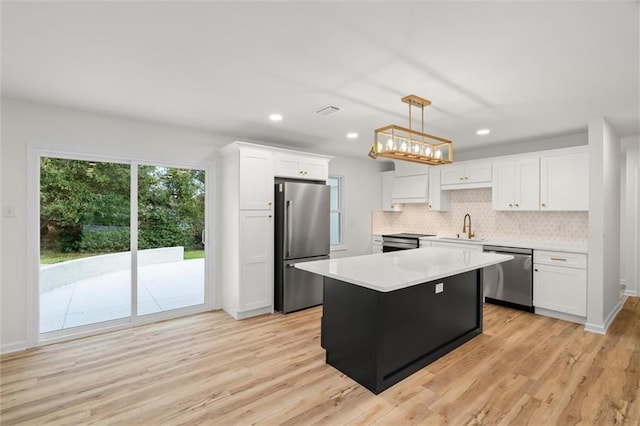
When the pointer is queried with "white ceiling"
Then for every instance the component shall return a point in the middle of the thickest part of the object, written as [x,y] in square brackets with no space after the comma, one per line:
[524,69]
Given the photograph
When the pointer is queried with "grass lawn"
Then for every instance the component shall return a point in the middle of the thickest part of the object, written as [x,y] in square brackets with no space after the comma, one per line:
[47,256]
[193,254]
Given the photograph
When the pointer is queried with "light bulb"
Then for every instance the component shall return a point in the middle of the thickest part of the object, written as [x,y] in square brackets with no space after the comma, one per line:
[403,146]
[438,154]
[389,144]
[427,151]
[416,148]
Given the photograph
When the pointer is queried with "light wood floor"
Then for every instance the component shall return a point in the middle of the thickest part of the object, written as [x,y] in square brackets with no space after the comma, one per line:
[208,368]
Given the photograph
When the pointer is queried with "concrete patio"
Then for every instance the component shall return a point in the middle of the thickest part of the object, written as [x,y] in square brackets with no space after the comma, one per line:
[161,287]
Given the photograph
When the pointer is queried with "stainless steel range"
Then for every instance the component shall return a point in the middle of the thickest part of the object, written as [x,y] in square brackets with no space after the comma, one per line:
[402,241]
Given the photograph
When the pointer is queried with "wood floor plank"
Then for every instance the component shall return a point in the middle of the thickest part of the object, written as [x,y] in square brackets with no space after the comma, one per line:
[211,369]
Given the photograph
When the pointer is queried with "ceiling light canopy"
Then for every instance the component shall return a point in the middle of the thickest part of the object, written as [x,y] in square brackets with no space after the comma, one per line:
[483,132]
[352,135]
[400,143]
[275,117]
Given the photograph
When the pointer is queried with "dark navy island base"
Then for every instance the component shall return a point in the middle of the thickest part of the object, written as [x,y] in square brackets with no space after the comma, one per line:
[379,338]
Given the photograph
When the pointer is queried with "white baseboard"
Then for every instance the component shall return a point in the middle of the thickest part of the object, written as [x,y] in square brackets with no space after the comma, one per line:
[13,347]
[253,313]
[630,293]
[602,329]
[560,315]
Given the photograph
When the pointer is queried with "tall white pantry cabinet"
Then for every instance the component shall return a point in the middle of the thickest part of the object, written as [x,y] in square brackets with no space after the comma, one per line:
[247,173]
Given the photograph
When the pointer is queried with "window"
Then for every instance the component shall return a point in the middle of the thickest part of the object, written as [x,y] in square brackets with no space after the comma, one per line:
[111,252]
[336,183]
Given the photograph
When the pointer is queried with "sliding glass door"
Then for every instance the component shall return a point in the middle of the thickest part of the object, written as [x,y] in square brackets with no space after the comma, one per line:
[106,258]
[171,213]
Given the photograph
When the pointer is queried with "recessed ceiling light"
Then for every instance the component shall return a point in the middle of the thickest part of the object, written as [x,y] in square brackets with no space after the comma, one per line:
[483,132]
[352,135]
[275,117]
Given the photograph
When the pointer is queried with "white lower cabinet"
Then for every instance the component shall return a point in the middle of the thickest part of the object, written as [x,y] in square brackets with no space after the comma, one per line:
[376,244]
[560,282]
[424,243]
[256,260]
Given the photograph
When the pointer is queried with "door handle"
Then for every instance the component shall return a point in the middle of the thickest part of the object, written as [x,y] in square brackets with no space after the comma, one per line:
[288,219]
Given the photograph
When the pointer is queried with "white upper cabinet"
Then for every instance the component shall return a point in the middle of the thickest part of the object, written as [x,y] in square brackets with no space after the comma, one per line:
[466,175]
[387,187]
[408,168]
[438,199]
[410,183]
[302,167]
[410,189]
[516,184]
[256,179]
[564,181]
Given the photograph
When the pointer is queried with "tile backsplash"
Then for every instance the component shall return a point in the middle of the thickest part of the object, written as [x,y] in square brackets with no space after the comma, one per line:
[486,223]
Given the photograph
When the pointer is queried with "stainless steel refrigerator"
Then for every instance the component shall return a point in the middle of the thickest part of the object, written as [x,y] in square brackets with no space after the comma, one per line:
[301,235]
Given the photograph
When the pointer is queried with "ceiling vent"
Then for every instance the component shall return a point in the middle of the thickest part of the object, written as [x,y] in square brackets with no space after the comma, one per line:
[328,110]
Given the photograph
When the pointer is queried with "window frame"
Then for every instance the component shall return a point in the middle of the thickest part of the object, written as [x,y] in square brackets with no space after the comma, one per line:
[36,152]
[342,234]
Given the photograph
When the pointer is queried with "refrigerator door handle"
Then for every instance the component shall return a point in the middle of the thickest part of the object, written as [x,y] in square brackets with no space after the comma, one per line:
[287,226]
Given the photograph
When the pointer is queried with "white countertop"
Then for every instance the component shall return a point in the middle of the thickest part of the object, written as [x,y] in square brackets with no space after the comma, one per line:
[399,269]
[534,245]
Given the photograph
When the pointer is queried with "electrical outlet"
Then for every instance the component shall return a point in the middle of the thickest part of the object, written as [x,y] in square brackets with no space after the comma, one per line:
[439,288]
[8,211]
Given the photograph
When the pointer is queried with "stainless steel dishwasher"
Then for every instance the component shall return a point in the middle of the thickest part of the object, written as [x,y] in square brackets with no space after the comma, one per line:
[510,283]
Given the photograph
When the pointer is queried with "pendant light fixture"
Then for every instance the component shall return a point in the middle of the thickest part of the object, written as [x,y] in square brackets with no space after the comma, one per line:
[400,143]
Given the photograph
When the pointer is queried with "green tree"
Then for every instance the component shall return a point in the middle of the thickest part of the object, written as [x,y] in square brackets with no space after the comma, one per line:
[86,206]
[74,193]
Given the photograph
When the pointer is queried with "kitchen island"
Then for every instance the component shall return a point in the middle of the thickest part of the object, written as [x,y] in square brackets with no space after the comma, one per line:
[387,315]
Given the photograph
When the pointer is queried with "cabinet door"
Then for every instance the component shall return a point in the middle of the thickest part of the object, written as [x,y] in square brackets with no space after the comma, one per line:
[474,173]
[387,189]
[452,175]
[410,189]
[256,179]
[315,169]
[560,289]
[438,199]
[503,186]
[564,182]
[288,166]
[527,184]
[407,168]
[256,260]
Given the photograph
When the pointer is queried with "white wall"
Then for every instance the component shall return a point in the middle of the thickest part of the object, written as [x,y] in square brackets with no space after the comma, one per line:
[362,195]
[603,295]
[26,123]
[630,215]
[522,147]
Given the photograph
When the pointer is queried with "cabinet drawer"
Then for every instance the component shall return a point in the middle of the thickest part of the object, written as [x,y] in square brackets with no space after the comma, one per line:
[559,258]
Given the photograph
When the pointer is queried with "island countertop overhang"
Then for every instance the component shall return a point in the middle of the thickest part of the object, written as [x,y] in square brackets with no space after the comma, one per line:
[391,271]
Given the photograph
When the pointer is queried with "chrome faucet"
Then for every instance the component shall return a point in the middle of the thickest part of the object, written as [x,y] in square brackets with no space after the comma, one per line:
[467,228]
